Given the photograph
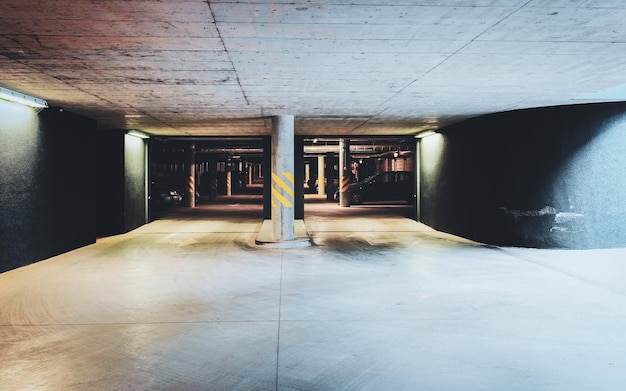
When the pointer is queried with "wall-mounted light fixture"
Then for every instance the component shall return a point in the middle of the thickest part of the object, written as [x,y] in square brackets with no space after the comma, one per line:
[137,133]
[425,133]
[18,97]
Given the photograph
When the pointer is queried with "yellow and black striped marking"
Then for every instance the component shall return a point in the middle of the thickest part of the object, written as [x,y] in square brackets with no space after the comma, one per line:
[345,183]
[190,184]
[282,189]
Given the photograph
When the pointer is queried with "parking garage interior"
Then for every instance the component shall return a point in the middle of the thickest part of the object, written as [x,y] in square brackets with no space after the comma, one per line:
[238,163]
[144,154]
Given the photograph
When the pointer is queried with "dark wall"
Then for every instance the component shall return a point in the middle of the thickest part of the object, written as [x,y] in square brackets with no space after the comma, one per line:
[47,187]
[299,178]
[267,177]
[110,182]
[121,184]
[549,177]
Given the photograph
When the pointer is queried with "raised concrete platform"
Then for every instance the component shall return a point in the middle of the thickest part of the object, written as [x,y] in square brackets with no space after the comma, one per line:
[301,239]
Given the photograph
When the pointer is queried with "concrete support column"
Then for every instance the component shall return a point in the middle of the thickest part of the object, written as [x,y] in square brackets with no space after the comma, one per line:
[212,179]
[418,177]
[344,172]
[229,168]
[321,175]
[282,182]
[229,182]
[307,172]
[190,199]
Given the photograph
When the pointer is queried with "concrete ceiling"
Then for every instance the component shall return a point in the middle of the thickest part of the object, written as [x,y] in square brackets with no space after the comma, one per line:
[354,67]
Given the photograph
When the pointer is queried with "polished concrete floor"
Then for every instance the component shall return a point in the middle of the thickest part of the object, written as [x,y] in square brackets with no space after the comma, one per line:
[380,302]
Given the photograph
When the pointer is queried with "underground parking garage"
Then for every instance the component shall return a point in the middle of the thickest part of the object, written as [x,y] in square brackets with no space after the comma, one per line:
[190,195]
[190,300]
[540,190]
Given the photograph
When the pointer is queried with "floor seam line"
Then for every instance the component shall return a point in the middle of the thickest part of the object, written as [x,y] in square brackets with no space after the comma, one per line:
[563,272]
[280,302]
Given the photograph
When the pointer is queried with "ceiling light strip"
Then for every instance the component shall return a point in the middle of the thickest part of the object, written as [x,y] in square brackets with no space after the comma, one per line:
[137,133]
[18,97]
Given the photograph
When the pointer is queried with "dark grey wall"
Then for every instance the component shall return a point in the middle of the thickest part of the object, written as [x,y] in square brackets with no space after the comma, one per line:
[121,184]
[549,177]
[110,182]
[135,183]
[46,184]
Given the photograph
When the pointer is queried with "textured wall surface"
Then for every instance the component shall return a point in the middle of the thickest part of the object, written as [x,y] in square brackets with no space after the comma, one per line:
[110,182]
[46,184]
[135,187]
[550,177]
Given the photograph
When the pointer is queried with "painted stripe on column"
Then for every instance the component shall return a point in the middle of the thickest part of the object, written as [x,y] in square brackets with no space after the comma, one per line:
[345,182]
[280,184]
[190,184]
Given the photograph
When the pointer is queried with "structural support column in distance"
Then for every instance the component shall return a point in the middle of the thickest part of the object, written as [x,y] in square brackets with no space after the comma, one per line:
[190,196]
[345,172]
[321,175]
[282,172]
[229,176]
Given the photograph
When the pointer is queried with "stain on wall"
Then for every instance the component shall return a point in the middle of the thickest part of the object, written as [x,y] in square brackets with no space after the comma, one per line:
[551,177]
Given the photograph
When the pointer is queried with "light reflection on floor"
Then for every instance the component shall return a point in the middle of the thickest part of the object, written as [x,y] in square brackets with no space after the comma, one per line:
[380,302]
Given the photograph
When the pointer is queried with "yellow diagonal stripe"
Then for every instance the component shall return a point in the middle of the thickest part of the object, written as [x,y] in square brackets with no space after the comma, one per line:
[289,176]
[283,185]
[345,184]
[281,198]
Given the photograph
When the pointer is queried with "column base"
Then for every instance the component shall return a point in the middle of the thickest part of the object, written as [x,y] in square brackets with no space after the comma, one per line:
[301,236]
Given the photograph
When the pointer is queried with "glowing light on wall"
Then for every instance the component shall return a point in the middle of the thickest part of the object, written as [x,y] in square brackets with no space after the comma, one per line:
[18,97]
[425,133]
[137,133]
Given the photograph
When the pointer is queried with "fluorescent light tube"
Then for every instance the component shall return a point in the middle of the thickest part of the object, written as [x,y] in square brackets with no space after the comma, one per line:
[425,133]
[137,133]
[18,97]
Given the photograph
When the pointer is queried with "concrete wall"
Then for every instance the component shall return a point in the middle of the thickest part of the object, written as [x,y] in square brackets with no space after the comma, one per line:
[549,177]
[110,182]
[122,182]
[63,183]
[46,184]
[135,183]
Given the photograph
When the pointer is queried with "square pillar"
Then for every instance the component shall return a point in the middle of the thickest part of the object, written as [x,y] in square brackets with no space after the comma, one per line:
[345,172]
[283,178]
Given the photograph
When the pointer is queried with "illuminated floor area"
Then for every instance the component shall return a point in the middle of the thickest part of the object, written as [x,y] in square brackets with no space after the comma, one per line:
[379,303]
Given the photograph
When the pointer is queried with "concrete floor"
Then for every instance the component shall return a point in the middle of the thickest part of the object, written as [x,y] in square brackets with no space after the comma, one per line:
[379,303]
